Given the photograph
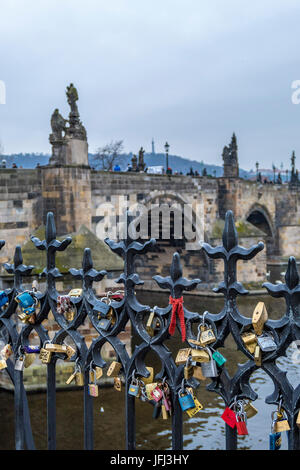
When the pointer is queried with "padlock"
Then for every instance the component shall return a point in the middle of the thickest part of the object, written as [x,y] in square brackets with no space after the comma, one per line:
[259,318]
[3,298]
[157,394]
[104,324]
[75,293]
[241,424]
[229,417]
[206,335]
[200,355]
[63,304]
[257,356]
[56,348]
[98,371]
[93,388]
[219,358]
[166,400]
[29,359]
[3,363]
[117,384]
[69,352]
[282,425]
[298,419]
[209,369]
[182,356]
[71,378]
[197,373]
[114,369]
[274,437]
[266,343]
[19,364]
[32,349]
[250,341]
[25,300]
[149,380]
[134,387]
[186,400]
[149,388]
[7,351]
[79,379]
[275,440]
[164,412]
[198,407]
[150,325]
[45,356]
[188,368]
[250,410]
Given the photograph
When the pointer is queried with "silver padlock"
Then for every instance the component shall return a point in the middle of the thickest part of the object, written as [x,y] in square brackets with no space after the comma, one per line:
[209,369]
[19,364]
[266,342]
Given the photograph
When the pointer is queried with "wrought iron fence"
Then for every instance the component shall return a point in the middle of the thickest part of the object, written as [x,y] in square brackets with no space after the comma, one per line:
[171,391]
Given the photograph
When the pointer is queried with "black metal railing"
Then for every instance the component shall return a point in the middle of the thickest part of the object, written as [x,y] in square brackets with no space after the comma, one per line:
[176,379]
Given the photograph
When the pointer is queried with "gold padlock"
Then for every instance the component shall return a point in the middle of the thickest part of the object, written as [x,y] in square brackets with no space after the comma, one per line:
[198,407]
[75,293]
[117,384]
[99,373]
[197,373]
[188,369]
[70,352]
[149,323]
[3,364]
[250,341]
[149,380]
[149,389]
[29,359]
[111,316]
[114,369]
[200,355]
[207,336]
[71,378]
[259,318]
[298,419]
[282,425]
[164,412]
[182,356]
[45,356]
[257,355]
[250,410]
[79,379]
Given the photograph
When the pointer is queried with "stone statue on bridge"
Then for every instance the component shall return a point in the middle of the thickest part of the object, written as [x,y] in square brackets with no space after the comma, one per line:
[58,125]
[76,128]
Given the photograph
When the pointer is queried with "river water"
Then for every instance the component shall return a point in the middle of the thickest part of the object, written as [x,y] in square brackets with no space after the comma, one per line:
[204,431]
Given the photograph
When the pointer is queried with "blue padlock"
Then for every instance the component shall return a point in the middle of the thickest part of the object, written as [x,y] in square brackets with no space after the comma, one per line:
[275,441]
[3,298]
[25,300]
[186,400]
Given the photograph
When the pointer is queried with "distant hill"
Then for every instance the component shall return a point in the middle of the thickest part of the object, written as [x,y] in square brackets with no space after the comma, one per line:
[177,163]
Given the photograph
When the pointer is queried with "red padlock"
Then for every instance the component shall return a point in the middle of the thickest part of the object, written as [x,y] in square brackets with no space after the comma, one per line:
[157,394]
[229,417]
[241,425]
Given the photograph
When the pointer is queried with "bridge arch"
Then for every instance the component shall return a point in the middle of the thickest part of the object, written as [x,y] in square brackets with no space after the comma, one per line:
[195,262]
[260,217]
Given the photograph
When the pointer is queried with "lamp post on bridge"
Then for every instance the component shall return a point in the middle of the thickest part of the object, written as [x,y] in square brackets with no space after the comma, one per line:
[167,146]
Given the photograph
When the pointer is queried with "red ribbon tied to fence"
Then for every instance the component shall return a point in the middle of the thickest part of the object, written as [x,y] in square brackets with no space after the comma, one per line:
[177,309]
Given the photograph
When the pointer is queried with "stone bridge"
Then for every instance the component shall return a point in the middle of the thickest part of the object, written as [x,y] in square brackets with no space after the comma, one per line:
[77,195]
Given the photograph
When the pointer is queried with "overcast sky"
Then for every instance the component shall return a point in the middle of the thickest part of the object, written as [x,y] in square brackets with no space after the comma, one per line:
[187,71]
